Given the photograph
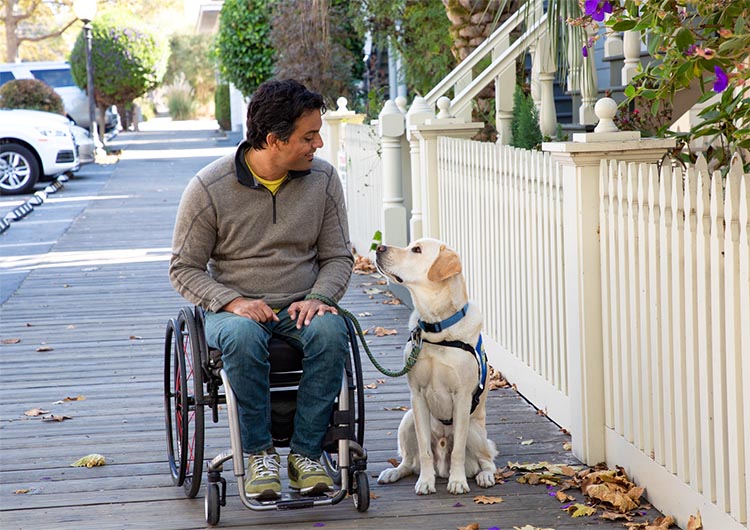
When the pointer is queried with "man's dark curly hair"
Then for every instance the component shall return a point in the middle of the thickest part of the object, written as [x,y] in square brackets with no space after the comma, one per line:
[275,107]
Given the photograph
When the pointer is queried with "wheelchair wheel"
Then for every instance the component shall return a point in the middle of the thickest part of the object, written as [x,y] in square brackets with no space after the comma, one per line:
[172,404]
[213,504]
[361,495]
[190,394]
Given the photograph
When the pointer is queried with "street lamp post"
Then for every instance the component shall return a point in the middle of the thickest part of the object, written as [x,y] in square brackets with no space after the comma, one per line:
[85,10]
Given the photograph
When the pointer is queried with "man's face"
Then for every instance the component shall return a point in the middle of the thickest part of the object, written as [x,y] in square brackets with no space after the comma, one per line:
[297,153]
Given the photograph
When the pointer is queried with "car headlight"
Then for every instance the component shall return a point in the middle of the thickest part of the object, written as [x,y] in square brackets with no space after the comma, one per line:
[50,132]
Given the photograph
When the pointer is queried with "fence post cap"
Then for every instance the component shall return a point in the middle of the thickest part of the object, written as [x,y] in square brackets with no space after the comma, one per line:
[390,120]
[444,104]
[401,104]
[341,104]
[606,109]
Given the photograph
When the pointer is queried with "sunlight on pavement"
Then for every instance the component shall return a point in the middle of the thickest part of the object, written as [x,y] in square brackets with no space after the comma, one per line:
[212,152]
[84,258]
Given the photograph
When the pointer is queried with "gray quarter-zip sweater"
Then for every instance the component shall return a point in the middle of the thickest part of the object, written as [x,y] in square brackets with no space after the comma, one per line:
[233,238]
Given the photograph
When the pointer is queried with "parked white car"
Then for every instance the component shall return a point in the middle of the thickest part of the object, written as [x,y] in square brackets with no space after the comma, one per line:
[33,146]
[57,75]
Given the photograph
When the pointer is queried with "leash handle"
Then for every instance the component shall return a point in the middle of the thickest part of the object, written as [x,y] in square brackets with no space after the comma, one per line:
[415,341]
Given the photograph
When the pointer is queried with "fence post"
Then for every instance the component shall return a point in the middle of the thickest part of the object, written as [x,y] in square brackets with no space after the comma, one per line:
[331,132]
[418,114]
[579,161]
[427,135]
[390,130]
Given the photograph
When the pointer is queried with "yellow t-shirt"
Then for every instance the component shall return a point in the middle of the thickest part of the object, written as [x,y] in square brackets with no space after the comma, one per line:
[272,185]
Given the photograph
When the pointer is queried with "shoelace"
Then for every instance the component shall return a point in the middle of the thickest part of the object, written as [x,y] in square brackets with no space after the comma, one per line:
[265,465]
[307,464]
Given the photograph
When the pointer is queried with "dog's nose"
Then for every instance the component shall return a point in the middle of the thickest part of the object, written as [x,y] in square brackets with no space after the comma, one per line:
[381,249]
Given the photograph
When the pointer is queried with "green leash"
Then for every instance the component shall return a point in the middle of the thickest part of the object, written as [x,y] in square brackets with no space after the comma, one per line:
[416,339]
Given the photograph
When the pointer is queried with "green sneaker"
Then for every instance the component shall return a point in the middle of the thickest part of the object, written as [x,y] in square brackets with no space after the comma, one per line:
[308,476]
[263,480]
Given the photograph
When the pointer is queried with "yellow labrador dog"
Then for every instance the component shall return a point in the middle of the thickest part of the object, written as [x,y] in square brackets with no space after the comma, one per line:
[444,433]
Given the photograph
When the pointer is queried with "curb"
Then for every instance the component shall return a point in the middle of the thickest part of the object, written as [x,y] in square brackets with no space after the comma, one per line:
[19,212]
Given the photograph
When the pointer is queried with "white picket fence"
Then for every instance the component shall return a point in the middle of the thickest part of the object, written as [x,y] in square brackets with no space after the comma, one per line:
[675,304]
[363,183]
[500,208]
[676,301]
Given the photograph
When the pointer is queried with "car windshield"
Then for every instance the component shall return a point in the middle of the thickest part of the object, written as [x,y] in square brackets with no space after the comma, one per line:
[55,78]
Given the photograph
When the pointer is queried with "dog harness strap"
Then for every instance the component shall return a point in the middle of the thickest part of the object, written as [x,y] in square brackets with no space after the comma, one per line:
[481,357]
[437,327]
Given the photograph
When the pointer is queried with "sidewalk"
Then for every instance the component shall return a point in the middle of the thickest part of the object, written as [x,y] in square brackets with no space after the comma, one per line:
[83,338]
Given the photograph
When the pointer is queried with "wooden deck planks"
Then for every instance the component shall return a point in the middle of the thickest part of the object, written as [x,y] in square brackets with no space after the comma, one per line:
[103,314]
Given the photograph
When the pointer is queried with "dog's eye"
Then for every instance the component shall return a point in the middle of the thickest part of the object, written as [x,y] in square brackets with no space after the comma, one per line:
[416,250]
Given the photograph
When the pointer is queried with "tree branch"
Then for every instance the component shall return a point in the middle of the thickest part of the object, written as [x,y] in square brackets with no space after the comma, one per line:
[21,38]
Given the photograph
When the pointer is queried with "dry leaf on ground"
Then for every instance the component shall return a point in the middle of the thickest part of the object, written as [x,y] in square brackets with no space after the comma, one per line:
[472,526]
[527,442]
[380,331]
[91,460]
[54,417]
[363,265]
[486,499]
[11,341]
[695,522]
[393,462]
[580,510]
[402,408]
[564,497]
[35,412]
[44,348]
[529,527]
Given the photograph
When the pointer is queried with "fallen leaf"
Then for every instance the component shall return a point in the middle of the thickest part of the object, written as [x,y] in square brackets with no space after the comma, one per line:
[11,341]
[79,397]
[21,491]
[35,412]
[402,408]
[45,348]
[502,474]
[564,497]
[91,460]
[135,337]
[529,527]
[393,462]
[527,442]
[614,516]
[695,522]
[472,526]
[567,446]
[53,417]
[373,496]
[374,290]
[618,499]
[371,386]
[363,265]
[365,314]
[382,332]
[392,301]
[580,510]
[485,499]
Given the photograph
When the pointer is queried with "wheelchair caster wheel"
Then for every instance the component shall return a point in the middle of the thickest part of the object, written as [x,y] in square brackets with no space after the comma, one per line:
[361,493]
[216,491]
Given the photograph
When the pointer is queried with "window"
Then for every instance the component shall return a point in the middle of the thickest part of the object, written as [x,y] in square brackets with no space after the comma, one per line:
[55,78]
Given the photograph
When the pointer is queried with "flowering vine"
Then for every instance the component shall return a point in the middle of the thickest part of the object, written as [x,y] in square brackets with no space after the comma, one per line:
[701,45]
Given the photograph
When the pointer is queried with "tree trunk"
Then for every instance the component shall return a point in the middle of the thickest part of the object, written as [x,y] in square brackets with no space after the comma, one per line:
[11,25]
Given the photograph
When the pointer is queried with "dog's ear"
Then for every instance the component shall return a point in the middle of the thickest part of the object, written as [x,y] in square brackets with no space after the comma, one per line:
[446,265]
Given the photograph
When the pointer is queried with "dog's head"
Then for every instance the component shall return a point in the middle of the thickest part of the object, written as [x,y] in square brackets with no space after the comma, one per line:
[424,261]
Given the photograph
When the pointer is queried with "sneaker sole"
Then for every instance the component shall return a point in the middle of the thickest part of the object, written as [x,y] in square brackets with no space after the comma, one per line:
[317,489]
[265,495]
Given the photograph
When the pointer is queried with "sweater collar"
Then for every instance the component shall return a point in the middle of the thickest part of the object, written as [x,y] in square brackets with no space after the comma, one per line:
[245,177]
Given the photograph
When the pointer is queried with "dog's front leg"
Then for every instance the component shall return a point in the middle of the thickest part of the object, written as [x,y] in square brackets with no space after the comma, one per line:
[426,482]
[457,482]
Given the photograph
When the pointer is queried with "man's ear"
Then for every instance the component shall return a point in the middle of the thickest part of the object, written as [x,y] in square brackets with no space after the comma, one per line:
[446,265]
[272,140]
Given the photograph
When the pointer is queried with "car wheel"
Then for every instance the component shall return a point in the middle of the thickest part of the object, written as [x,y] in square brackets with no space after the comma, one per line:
[19,169]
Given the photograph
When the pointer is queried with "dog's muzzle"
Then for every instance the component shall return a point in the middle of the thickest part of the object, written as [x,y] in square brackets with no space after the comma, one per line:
[382,263]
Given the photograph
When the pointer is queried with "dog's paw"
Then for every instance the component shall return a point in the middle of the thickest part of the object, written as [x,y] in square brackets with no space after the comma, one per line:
[458,486]
[485,479]
[389,475]
[425,486]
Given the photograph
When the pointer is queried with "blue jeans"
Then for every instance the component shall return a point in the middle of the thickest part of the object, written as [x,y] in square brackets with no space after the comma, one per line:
[244,346]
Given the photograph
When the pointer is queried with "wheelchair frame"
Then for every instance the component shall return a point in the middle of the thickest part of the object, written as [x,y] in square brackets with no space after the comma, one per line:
[193,376]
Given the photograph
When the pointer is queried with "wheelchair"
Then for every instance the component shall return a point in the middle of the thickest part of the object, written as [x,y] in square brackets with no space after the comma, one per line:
[193,380]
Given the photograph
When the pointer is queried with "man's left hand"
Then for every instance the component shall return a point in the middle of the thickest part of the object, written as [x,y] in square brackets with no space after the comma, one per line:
[305,310]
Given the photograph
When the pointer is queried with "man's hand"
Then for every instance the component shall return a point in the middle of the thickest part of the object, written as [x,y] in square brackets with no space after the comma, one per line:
[305,310]
[257,310]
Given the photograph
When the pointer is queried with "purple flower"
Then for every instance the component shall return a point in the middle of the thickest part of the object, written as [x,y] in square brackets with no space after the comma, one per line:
[690,50]
[722,81]
[585,51]
[596,9]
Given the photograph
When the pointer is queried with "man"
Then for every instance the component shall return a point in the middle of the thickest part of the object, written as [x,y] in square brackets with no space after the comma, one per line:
[256,232]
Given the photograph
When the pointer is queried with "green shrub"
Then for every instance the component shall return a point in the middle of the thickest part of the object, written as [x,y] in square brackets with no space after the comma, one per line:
[190,56]
[180,100]
[524,127]
[243,45]
[128,59]
[223,109]
[30,94]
